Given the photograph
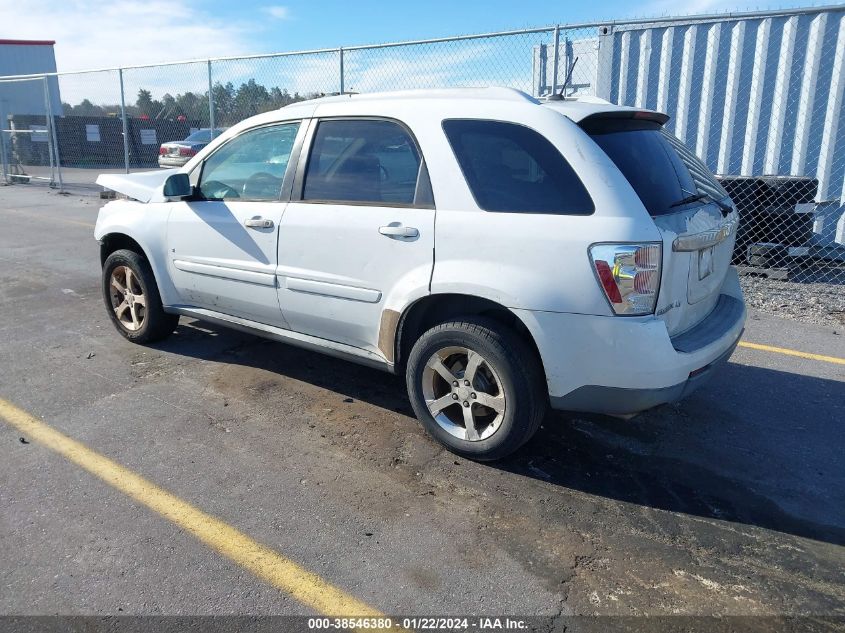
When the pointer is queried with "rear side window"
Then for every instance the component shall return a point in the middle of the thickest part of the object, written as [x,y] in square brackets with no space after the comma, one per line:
[665,174]
[511,168]
[363,161]
[705,181]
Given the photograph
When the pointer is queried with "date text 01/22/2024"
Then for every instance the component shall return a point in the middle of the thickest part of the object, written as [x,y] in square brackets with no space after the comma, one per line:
[419,623]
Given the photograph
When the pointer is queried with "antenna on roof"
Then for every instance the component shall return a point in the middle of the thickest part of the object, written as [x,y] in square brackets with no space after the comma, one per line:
[559,96]
[568,78]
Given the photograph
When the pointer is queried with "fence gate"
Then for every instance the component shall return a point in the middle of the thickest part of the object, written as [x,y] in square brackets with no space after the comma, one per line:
[28,143]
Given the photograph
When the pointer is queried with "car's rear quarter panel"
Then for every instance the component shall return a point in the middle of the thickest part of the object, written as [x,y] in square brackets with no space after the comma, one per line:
[531,261]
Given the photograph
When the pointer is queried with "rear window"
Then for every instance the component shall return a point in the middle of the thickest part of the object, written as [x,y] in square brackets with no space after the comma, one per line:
[203,136]
[665,174]
[511,168]
[200,136]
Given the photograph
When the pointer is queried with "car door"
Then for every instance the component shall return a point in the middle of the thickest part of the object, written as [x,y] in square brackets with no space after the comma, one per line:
[222,241]
[359,227]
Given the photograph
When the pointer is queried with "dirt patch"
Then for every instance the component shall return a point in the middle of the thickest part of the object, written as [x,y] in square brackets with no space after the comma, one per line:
[584,507]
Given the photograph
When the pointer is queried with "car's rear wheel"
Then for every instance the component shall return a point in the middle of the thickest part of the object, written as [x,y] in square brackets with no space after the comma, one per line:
[132,298]
[476,387]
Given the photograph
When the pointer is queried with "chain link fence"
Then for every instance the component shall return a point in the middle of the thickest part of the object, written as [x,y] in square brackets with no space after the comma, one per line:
[28,144]
[758,96]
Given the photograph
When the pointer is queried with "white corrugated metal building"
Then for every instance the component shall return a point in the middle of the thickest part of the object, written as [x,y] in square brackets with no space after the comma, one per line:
[754,94]
[26,57]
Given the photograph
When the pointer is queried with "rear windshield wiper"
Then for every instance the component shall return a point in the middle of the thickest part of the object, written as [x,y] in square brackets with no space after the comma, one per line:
[724,207]
[689,199]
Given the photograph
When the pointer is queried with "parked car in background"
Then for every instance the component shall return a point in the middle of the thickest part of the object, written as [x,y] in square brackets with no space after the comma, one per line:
[177,153]
[580,255]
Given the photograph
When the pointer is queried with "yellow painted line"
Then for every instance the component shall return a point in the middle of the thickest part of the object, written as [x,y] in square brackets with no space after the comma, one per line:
[89,225]
[286,575]
[793,352]
[50,218]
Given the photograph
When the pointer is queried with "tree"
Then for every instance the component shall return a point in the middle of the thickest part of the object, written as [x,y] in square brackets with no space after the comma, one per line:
[144,101]
[280,97]
[230,105]
[251,99]
[224,103]
[193,106]
[86,108]
[147,105]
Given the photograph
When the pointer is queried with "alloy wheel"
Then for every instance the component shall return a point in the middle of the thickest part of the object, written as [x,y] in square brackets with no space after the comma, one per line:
[127,298]
[463,393]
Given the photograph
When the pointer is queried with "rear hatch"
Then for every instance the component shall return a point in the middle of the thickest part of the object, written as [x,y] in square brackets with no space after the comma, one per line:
[694,214]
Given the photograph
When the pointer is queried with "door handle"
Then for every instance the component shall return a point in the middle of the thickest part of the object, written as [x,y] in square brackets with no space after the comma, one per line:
[399,231]
[258,223]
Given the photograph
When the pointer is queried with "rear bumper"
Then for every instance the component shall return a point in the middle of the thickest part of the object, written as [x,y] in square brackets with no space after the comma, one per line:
[621,401]
[172,161]
[620,365]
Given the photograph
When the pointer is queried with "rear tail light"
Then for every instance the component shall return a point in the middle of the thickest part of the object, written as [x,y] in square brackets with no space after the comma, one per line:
[629,274]
[162,150]
[186,151]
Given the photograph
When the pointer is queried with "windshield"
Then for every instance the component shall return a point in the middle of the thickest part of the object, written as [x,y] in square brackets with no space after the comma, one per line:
[665,174]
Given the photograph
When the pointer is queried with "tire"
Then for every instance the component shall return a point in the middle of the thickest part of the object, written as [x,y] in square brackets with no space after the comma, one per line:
[139,316]
[508,376]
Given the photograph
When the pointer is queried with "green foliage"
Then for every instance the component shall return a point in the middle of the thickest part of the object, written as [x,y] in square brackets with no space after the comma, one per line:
[146,105]
[230,104]
[86,108]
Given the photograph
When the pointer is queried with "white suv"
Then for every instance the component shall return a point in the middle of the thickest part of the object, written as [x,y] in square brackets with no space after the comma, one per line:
[503,253]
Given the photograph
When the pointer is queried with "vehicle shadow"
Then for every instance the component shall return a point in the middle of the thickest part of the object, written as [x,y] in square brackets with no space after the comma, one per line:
[755,446]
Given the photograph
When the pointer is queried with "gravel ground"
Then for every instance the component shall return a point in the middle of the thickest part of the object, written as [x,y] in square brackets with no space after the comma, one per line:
[819,303]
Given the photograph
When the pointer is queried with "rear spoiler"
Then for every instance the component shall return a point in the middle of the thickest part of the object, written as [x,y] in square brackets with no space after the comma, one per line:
[620,120]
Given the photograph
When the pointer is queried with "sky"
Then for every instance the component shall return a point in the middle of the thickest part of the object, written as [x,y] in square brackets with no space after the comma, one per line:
[110,33]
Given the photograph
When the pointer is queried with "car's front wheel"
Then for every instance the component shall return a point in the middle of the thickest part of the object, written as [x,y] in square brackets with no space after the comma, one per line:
[132,298]
[476,387]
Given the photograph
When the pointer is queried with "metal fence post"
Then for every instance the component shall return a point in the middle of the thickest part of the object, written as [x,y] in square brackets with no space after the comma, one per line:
[49,135]
[3,156]
[3,159]
[51,130]
[125,122]
[604,64]
[555,59]
[340,52]
[210,101]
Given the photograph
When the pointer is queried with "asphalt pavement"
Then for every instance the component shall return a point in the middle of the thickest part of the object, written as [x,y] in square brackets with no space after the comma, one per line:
[732,502]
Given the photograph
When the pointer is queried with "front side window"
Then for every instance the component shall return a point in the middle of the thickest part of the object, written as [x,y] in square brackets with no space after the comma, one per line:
[362,161]
[512,168]
[251,166]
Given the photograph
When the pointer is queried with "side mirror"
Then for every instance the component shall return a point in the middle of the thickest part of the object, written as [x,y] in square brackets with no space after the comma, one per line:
[177,186]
